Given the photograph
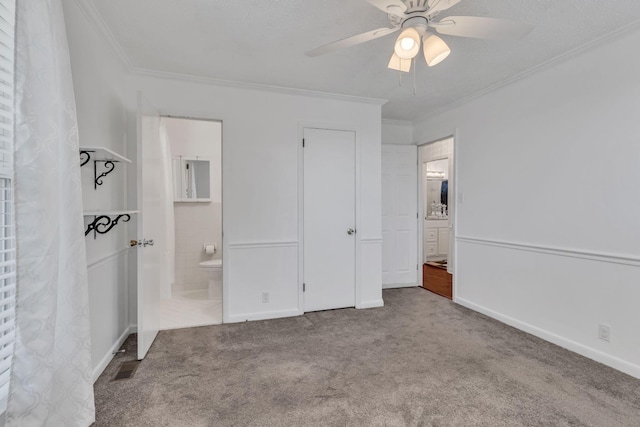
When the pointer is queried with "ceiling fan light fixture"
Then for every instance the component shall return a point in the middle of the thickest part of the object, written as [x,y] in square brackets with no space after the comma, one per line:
[435,49]
[407,44]
[399,64]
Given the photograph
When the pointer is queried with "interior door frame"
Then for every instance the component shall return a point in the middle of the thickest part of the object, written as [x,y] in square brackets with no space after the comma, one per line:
[453,186]
[177,113]
[302,125]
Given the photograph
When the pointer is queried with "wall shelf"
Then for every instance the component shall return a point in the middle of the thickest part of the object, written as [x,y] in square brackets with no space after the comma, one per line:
[104,221]
[100,155]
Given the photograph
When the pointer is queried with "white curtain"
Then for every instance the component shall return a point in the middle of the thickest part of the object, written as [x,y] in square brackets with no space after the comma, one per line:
[51,382]
[167,200]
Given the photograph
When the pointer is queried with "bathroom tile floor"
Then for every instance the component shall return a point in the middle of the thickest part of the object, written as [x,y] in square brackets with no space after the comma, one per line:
[188,309]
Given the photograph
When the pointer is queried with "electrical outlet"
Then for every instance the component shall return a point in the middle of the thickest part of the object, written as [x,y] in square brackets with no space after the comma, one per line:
[604,332]
[460,197]
[265,297]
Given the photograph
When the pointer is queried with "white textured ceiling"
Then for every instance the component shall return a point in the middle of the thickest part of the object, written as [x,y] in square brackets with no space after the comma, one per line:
[263,42]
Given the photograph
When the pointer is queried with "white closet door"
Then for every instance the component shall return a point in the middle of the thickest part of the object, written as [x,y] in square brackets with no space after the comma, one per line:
[399,215]
[329,219]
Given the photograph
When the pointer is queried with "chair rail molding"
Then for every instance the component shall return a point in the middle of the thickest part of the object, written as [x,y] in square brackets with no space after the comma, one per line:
[606,257]
[263,244]
[372,240]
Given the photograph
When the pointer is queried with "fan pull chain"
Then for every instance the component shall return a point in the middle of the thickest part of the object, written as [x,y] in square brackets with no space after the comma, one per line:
[414,76]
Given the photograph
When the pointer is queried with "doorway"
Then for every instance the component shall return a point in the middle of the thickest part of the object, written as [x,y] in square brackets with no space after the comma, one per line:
[194,295]
[436,194]
[165,178]
[329,220]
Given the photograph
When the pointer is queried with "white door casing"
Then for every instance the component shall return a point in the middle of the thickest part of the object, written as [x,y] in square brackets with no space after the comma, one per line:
[399,215]
[329,232]
[452,211]
[152,270]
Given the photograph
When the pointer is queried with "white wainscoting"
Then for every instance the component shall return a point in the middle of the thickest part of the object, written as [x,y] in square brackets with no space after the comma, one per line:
[108,311]
[253,268]
[369,288]
[560,295]
[106,258]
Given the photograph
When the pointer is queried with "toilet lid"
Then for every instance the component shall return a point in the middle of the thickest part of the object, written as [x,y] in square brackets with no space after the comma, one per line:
[212,263]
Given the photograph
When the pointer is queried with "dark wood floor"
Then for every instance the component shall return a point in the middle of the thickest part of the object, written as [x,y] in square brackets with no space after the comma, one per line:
[437,280]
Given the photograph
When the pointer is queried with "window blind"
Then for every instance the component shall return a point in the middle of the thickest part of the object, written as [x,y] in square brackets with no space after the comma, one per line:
[7,225]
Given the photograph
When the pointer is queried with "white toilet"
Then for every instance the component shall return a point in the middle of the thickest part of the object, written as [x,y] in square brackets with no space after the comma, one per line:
[214,272]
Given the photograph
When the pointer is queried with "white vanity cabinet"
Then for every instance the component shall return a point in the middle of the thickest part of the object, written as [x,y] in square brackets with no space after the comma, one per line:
[436,239]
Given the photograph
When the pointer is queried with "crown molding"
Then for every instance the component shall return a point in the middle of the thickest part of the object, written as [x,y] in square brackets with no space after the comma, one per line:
[397,122]
[89,10]
[165,75]
[615,35]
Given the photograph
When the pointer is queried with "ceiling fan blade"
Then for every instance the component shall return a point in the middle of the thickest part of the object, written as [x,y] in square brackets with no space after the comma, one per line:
[393,7]
[351,41]
[481,28]
[437,6]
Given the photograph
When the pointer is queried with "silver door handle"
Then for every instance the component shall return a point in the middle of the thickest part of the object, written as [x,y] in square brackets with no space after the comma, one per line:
[350,231]
[143,243]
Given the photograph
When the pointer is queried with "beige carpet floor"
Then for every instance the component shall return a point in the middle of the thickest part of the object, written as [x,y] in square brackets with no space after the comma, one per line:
[419,361]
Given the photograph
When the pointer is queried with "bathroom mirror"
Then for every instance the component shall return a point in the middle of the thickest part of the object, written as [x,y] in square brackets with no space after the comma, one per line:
[191,181]
[437,176]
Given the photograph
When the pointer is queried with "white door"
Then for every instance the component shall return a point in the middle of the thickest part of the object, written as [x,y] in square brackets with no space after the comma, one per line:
[399,215]
[151,274]
[329,219]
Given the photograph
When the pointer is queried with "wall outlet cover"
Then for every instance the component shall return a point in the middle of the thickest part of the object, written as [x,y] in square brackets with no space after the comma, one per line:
[604,332]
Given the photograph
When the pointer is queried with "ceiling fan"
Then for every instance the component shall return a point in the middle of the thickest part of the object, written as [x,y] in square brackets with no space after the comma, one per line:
[416,18]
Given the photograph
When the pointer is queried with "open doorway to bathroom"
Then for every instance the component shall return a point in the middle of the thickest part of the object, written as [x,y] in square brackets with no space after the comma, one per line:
[436,188]
[194,297]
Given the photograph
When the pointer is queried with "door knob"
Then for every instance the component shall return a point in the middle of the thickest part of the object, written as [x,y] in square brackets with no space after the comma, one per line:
[350,231]
[144,243]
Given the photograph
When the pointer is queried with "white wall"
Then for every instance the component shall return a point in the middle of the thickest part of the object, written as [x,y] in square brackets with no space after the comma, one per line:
[99,84]
[544,242]
[397,132]
[262,143]
[196,224]
[261,133]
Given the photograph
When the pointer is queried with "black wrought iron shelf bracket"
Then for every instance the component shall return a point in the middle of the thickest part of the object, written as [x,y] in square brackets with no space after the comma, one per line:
[85,156]
[109,166]
[102,224]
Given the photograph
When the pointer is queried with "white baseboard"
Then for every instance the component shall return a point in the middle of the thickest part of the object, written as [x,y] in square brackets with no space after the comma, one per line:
[97,371]
[371,304]
[133,329]
[399,285]
[262,316]
[591,353]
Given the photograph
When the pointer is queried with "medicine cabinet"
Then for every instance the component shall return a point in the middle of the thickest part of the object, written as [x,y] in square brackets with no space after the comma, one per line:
[191,180]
